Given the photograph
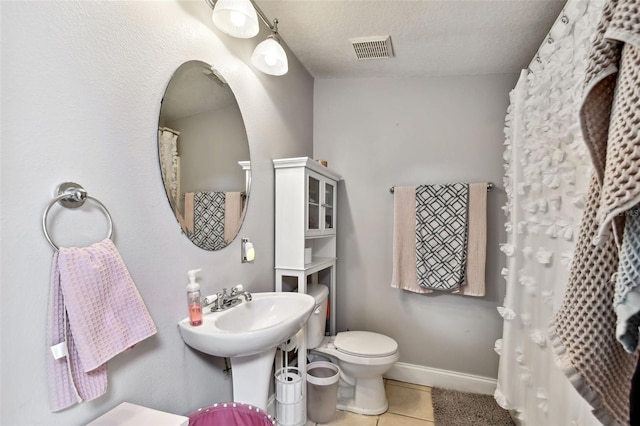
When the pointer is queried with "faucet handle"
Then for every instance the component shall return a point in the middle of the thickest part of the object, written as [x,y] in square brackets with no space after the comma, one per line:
[209,299]
[237,289]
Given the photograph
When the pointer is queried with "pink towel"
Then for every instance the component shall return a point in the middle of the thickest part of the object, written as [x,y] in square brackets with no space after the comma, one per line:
[233,215]
[476,242]
[404,274]
[96,309]
[188,213]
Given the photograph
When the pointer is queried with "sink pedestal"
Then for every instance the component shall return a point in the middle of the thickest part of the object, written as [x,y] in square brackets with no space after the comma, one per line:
[249,334]
[251,377]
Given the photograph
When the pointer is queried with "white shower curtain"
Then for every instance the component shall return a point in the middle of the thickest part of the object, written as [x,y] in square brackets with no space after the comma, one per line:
[547,170]
[170,162]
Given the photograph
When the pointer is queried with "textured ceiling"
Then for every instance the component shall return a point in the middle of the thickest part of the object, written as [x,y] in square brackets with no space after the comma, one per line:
[429,37]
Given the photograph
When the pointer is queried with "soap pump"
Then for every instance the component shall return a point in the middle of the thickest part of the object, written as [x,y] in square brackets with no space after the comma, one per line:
[193,298]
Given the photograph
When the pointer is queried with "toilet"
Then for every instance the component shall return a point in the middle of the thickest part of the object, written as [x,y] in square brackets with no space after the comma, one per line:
[362,356]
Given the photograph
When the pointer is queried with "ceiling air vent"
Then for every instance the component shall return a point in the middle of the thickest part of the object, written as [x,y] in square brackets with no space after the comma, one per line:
[372,47]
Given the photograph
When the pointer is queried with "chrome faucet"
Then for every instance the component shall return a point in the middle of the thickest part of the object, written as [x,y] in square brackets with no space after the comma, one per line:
[223,300]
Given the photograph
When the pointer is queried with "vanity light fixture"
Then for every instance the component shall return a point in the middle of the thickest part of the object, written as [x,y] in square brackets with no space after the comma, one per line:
[248,253]
[238,18]
[269,56]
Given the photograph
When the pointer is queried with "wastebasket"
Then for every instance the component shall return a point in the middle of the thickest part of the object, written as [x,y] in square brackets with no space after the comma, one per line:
[322,391]
[230,414]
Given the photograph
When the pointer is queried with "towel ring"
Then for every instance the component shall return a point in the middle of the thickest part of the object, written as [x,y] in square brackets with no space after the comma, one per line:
[72,195]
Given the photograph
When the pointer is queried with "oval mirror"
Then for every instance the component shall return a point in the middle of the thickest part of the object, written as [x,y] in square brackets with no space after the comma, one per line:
[204,155]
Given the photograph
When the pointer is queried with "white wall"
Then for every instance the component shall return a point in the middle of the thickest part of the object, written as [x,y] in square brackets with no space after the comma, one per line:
[383,132]
[81,89]
[210,145]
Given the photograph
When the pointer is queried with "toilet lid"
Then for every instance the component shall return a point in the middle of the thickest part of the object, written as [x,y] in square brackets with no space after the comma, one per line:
[365,343]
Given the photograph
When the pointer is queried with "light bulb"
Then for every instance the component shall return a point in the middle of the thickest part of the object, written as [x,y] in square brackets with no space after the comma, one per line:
[248,252]
[251,253]
[237,18]
[270,59]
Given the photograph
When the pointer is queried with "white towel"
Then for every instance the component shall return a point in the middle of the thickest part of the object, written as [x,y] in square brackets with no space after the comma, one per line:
[97,310]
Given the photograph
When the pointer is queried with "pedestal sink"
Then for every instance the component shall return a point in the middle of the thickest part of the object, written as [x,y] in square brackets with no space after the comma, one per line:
[249,334]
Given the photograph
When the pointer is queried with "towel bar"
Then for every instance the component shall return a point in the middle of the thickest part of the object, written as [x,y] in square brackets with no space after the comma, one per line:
[489,187]
[72,195]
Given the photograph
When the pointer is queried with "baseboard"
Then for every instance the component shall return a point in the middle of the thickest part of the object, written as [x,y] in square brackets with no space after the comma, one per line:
[434,377]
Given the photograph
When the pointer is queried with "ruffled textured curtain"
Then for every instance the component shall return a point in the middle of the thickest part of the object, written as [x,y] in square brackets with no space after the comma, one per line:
[169,162]
[547,171]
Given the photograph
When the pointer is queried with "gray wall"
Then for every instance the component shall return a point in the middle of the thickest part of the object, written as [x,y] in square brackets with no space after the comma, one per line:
[210,145]
[81,89]
[383,132]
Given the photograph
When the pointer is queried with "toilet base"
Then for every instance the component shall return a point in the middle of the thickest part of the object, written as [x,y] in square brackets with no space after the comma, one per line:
[349,406]
[368,397]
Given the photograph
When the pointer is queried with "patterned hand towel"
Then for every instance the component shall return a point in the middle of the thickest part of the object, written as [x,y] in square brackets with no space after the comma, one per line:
[441,235]
[97,310]
[405,261]
[209,209]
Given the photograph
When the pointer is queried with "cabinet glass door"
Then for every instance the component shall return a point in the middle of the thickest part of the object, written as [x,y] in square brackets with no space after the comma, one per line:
[328,205]
[313,204]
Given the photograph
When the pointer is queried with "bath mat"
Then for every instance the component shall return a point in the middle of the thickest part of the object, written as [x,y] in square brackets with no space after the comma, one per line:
[453,408]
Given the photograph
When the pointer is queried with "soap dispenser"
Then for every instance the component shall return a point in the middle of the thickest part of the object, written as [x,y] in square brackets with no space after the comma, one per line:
[193,298]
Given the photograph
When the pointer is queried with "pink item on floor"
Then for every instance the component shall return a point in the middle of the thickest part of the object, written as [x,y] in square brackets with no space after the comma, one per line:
[97,310]
[230,414]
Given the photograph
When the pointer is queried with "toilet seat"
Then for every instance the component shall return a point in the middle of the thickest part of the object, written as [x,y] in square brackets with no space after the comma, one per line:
[329,349]
[365,344]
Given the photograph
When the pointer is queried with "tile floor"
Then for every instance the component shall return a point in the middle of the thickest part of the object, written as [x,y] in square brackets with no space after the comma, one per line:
[409,405]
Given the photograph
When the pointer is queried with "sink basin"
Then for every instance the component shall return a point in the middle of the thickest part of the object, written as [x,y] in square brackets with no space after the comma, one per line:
[249,334]
[251,327]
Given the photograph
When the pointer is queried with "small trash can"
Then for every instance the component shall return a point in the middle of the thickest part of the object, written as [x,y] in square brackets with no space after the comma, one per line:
[289,399]
[230,414]
[322,391]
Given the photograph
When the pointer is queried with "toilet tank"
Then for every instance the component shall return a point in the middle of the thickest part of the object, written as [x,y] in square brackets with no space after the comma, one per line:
[317,323]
